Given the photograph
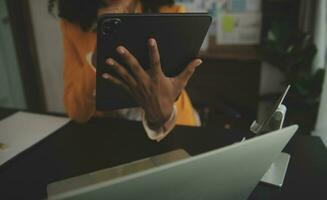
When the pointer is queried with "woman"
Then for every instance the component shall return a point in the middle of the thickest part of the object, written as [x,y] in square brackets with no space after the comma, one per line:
[155,92]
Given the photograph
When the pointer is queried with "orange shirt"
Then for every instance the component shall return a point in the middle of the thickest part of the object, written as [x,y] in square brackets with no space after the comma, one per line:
[80,79]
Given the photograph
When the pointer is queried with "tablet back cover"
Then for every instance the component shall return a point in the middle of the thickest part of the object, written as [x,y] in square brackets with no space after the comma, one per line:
[179,38]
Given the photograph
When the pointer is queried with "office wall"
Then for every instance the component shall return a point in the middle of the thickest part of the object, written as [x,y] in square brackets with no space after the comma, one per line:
[50,54]
[320,34]
[321,61]
[11,89]
[321,127]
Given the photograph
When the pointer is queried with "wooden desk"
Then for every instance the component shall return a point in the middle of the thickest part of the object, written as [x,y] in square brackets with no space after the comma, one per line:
[101,143]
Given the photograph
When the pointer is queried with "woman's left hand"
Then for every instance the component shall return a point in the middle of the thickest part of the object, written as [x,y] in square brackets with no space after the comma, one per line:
[155,92]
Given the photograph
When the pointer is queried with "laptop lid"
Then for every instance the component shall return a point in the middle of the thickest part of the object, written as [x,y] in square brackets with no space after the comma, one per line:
[229,173]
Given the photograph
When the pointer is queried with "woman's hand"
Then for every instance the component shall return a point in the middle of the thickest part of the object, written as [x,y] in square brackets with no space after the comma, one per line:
[155,92]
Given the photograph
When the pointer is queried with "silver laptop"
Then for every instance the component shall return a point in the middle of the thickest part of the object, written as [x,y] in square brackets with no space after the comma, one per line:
[229,173]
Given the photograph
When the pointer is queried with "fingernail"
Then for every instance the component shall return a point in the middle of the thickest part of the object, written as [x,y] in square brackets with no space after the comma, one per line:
[106,76]
[121,50]
[198,62]
[152,42]
[110,61]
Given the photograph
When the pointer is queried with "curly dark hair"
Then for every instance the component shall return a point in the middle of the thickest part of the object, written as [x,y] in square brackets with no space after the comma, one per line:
[84,12]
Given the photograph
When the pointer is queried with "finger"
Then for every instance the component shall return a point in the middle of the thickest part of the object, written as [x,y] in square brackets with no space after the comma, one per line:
[115,80]
[122,72]
[185,76]
[132,63]
[154,56]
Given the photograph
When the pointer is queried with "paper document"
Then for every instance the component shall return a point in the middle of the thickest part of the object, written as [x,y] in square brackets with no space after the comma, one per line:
[22,130]
[238,28]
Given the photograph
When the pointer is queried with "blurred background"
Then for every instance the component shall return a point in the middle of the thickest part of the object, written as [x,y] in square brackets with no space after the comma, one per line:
[254,49]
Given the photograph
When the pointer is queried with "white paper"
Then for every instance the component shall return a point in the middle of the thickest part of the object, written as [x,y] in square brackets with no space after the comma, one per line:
[244,5]
[253,5]
[22,130]
[243,28]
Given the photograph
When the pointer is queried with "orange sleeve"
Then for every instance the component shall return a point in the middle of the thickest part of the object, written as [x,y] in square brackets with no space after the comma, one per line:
[79,81]
[181,9]
[173,9]
[185,112]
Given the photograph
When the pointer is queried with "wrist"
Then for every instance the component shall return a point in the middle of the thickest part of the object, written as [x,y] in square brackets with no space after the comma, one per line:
[163,131]
[156,120]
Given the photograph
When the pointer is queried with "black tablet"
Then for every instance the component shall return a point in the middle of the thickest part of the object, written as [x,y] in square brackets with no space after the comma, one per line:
[179,38]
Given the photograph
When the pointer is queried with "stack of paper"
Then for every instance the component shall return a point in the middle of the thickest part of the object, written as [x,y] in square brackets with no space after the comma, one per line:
[22,130]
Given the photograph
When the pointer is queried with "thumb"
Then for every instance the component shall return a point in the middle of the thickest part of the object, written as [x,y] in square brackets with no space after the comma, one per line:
[185,76]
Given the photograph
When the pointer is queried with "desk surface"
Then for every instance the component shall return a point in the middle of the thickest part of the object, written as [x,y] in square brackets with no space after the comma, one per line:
[101,143]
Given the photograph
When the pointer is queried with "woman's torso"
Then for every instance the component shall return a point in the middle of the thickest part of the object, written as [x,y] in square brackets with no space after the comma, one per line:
[85,42]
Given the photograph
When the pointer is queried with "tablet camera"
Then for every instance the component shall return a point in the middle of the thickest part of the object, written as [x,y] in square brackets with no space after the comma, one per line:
[110,26]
